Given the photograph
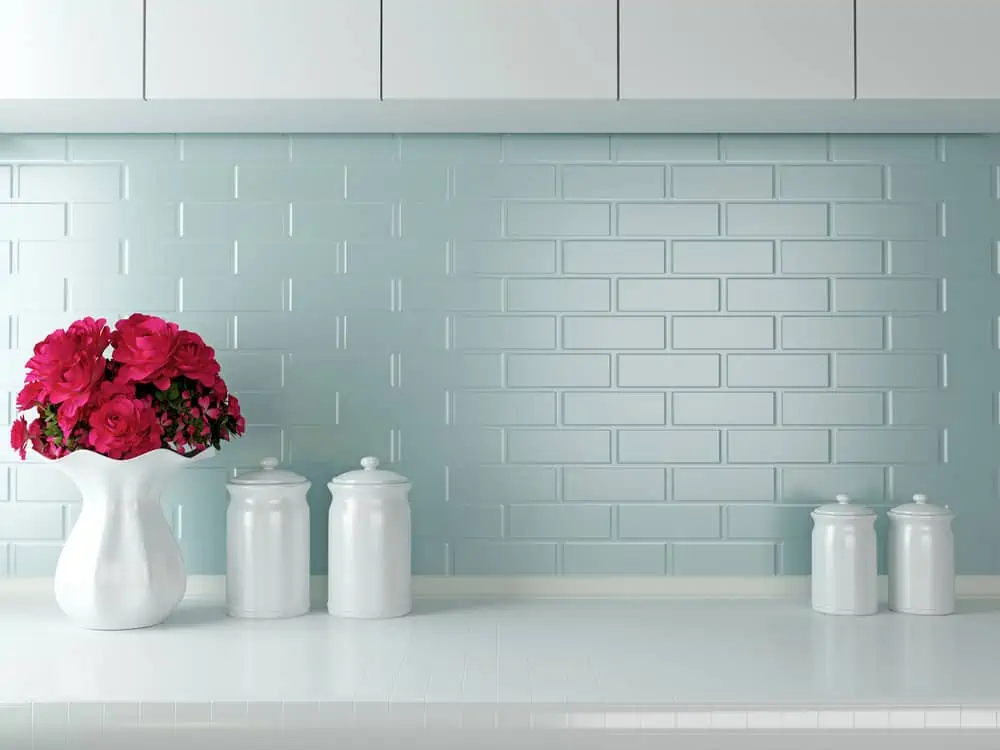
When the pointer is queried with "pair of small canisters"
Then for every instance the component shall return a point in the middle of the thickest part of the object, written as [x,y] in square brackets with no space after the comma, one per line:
[267,541]
[921,562]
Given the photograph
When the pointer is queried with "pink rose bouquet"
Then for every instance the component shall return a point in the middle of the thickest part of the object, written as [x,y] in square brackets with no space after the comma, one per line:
[160,388]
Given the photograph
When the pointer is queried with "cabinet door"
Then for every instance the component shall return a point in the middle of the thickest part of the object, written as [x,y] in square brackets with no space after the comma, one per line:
[499,49]
[928,49]
[70,49]
[737,49]
[262,49]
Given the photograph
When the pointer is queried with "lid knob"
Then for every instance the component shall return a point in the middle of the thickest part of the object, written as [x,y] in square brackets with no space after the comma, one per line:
[843,499]
[369,463]
[920,498]
[269,464]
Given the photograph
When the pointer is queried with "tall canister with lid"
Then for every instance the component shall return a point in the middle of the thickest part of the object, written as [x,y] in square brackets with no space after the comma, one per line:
[267,543]
[369,574]
[844,559]
[921,558]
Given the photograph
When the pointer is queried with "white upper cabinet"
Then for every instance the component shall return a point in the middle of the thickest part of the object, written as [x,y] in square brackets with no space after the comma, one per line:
[499,49]
[71,49]
[928,49]
[262,49]
[737,49]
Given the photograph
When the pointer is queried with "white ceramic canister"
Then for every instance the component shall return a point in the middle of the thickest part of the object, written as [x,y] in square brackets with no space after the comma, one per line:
[844,559]
[369,572]
[921,559]
[267,543]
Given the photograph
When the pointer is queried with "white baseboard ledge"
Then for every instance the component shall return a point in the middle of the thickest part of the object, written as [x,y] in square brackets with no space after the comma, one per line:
[563,587]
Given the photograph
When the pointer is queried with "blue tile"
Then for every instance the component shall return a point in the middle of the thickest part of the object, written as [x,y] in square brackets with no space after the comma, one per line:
[614,558]
[723,558]
[235,148]
[832,408]
[613,409]
[659,219]
[888,220]
[834,332]
[830,183]
[71,182]
[559,521]
[668,446]
[504,332]
[706,408]
[734,257]
[505,258]
[532,148]
[778,446]
[353,149]
[505,558]
[673,521]
[282,183]
[776,219]
[666,148]
[558,295]
[155,182]
[883,149]
[718,182]
[501,484]
[641,295]
[887,295]
[765,148]
[329,222]
[613,256]
[889,446]
[778,295]
[776,370]
[831,257]
[613,332]
[731,332]
[668,370]
[41,221]
[614,484]
[424,182]
[769,521]
[864,484]
[615,182]
[22,148]
[726,485]
[476,181]
[563,219]
[558,370]
[451,149]
[123,220]
[559,446]
[133,149]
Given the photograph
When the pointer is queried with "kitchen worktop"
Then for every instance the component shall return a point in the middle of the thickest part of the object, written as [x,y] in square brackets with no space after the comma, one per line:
[699,663]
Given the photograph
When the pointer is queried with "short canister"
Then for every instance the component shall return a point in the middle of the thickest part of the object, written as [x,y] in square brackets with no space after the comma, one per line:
[267,543]
[369,572]
[921,558]
[844,559]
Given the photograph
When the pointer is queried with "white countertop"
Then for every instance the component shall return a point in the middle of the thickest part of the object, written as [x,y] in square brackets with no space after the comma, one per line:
[672,653]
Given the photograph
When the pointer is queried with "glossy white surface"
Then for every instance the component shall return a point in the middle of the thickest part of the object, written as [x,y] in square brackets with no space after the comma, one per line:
[737,49]
[369,544]
[499,49]
[681,655]
[262,49]
[267,544]
[844,559]
[71,50]
[921,559]
[121,566]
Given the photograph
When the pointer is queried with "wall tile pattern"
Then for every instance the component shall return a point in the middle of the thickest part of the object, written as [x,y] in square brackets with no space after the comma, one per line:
[592,354]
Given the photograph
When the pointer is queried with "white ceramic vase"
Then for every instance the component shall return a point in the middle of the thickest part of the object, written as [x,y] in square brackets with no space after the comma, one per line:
[121,567]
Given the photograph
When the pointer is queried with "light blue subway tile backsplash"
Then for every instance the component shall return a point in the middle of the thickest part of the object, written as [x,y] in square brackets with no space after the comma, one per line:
[593,354]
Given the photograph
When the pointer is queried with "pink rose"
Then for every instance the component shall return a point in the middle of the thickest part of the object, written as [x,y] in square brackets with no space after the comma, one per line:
[19,436]
[236,414]
[144,347]
[66,368]
[30,396]
[123,426]
[194,359]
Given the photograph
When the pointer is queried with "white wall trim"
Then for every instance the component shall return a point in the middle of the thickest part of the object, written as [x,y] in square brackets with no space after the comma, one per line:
[563,587]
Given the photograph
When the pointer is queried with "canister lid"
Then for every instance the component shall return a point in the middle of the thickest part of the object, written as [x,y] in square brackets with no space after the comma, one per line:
[369,474]
[269,474]
[920,507]
[843,508]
